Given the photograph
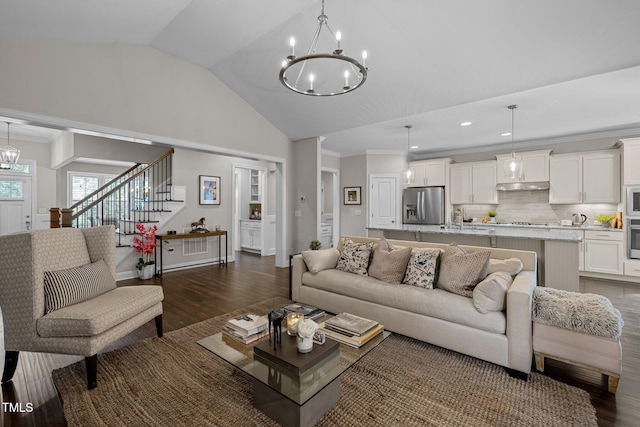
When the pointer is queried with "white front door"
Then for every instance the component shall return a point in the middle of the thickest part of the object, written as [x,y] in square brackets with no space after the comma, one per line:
[15,205]
[383,201]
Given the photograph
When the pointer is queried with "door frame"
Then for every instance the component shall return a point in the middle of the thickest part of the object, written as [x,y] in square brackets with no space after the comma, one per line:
[335,232]
[398,200]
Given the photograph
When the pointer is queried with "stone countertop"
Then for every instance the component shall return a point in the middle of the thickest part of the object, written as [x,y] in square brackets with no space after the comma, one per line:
[561,234]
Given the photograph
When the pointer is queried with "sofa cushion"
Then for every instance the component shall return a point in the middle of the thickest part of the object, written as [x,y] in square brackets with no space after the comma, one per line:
[99,314]
[436,303]
[512,266]
[321,259]
[71,286]
[422,270]
[354,257]
[491,293]
[389,262]
[460,271]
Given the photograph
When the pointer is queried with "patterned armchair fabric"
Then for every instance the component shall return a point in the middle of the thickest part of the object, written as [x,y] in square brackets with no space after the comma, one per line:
[24,259]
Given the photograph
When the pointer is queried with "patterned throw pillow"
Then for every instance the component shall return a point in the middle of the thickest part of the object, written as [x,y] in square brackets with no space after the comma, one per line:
[354,257]
[460,272]
[422,270]
[63,288]
[389,262]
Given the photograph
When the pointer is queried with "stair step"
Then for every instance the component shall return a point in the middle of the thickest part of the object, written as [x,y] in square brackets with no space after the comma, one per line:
[147,221]
[123,246]
[152,210]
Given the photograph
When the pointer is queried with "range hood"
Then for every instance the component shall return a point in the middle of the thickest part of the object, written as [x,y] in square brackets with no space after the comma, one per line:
[523,186]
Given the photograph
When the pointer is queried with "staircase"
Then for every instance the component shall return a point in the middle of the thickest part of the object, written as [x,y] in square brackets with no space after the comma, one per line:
[142,194]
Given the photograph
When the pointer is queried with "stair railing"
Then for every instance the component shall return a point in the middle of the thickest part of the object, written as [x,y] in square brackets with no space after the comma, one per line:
[137,195]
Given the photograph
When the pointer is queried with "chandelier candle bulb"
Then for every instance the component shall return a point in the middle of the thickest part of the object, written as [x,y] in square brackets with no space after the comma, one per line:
[364,58]
[346,80]
[338,38]
[292,43]
[311,82]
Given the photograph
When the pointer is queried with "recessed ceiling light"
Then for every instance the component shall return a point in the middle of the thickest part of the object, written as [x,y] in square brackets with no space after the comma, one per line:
[465,123]
[506,134]
[413,147]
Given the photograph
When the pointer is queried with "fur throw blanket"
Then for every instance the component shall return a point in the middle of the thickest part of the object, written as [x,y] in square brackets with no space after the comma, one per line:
[589,313]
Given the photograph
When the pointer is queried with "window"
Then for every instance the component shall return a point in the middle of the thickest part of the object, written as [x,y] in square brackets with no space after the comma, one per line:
[11,189]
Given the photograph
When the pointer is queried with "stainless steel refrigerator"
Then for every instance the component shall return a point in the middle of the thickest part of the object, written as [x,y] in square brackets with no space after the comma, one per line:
[423,205]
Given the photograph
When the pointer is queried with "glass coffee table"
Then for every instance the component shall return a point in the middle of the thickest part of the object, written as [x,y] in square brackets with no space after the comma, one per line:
[287,397]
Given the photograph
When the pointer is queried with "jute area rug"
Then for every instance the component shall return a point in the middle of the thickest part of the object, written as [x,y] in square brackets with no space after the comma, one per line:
[172,381]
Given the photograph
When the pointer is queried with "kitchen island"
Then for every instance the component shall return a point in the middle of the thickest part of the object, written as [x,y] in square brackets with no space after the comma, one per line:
[557,248]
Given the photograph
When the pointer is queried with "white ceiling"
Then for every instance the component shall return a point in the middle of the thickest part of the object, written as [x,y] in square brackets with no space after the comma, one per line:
[572,66]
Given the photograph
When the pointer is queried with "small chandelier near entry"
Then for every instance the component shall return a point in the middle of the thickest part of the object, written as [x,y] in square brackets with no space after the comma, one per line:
[8,155]
[513,166]
[327,74]
[408,175]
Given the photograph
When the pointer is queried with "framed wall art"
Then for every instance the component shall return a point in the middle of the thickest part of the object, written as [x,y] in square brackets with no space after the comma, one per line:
[209,190]
[352,195]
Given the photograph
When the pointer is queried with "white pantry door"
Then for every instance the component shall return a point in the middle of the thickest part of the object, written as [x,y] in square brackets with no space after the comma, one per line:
[383,203]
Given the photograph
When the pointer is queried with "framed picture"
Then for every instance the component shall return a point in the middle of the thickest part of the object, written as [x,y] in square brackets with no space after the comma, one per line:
[209,190]
[352,195]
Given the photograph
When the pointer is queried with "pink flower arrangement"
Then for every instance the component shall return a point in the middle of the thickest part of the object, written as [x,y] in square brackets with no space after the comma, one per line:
[145,243]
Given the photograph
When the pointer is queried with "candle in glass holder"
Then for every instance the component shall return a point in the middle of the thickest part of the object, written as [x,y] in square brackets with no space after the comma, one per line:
[292,323]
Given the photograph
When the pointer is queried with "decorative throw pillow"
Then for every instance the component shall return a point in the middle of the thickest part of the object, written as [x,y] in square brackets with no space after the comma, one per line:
[389,262]
[63,288]
[422,270]
[354,257]
[491,293]
[460,271]
[512,266]
[322,259]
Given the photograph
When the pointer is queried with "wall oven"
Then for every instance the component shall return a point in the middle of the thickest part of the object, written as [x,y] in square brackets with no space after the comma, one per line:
[633,238]
[633,201]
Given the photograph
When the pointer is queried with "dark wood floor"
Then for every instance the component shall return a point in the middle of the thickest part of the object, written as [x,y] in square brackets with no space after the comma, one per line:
[198,294]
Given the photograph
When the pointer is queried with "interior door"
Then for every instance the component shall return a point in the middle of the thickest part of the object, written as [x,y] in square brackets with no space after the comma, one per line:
[384,202]
[15,205]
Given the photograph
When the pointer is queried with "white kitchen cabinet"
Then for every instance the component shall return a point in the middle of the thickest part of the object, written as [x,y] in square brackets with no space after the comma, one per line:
[585,178]
[255,185]
[535,166]
[631,155]
[251,235]
[325,235]
[603,252]
[430,172]
[632,267]
[473,183]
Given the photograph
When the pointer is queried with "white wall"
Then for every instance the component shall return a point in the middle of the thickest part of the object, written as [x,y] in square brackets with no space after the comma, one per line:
[353,174]
[307,190]
[138,92]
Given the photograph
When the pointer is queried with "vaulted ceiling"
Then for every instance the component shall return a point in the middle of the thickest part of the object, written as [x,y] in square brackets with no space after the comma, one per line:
[572,66]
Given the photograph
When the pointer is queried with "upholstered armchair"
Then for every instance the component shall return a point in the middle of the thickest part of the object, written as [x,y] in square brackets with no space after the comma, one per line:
[58,295]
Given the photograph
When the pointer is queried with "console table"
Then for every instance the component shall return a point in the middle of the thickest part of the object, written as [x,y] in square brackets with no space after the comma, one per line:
[163,237]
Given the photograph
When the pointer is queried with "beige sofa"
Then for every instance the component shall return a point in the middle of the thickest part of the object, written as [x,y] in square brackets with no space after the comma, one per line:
[435,316]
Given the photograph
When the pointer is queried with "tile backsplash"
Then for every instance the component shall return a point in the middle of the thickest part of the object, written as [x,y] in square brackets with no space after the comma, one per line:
[534,207]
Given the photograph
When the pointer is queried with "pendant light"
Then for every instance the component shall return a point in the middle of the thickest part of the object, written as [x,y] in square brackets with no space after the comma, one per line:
[8,155]
[408,175]
[513,166]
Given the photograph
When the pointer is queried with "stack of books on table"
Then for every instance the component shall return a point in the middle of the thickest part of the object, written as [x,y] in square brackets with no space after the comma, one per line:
[308,311]
[351,330]
[246,328]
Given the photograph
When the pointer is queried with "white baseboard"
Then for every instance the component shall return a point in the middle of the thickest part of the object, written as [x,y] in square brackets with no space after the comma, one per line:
[124,275]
